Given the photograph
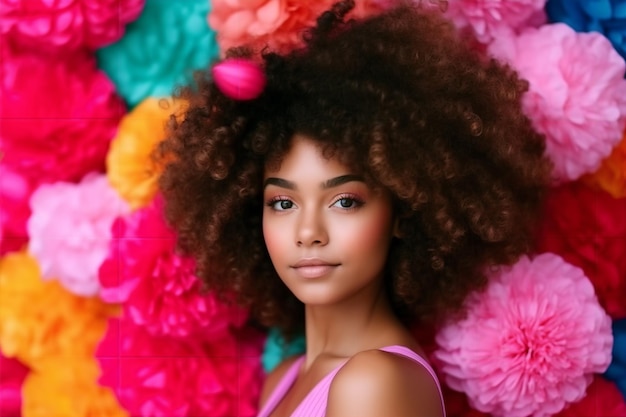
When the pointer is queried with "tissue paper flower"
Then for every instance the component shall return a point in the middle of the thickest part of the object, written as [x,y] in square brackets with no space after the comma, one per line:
[603,16]
[611,176]
[15,191]
[12,375]
[70,230]
[160,50]
[67,387]
[158,287]
[278,24]
[66,25]
[577,94]
[57,115]
[220,376]
[602,399]
[490,19]
[530,343]
[617,369]
[40,319]
[588,229]
[130,168]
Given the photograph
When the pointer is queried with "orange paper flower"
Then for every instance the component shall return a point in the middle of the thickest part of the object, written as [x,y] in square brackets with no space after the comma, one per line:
[130,168]
[67,387]
[40,319]
[611,177]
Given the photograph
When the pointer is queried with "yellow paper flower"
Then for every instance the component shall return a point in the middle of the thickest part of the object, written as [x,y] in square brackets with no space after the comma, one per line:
[130,168]
[66,387]
[40,319]
[611,177]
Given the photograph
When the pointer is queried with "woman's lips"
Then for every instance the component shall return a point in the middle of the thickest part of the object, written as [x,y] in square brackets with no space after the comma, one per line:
[313,268]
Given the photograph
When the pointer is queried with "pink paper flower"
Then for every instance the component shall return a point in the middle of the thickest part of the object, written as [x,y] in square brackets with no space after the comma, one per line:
[15,191]
[162,376]
[490,19]
[158,287]
[277,23]
[12,375]
[66,25]
[57,115]
[70,230]
[530,343]
[577,94]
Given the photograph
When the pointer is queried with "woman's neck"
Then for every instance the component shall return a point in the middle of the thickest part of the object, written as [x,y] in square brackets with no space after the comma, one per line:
[344,329]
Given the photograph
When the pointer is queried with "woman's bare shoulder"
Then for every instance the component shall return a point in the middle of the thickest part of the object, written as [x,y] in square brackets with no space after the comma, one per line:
[274,377]
[374,383]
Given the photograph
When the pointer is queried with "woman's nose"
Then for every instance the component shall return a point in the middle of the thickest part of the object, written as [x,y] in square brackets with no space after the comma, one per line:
[311,229]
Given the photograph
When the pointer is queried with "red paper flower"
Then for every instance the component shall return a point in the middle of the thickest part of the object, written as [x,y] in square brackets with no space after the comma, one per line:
[163,376]
[12,375]
[66,25]
[15,192]
[57,115]
[603,399]
[587,228]
[158,287]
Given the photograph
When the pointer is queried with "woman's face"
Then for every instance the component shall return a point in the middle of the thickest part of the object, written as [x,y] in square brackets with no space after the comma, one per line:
[326,231]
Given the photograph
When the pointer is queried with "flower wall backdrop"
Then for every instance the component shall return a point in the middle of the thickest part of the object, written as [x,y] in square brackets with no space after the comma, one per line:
[100,317]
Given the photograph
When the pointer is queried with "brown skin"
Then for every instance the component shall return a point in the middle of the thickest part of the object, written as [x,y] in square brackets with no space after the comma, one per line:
[347,313]
[403,101]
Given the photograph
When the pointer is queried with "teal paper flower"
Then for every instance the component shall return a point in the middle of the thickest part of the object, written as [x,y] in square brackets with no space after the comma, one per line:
[276,349]
[160,50]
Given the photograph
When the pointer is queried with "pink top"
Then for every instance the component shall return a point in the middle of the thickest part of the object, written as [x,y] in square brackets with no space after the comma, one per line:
[314,404]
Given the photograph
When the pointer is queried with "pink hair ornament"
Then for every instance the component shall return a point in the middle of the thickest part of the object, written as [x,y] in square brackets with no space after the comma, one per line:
[239,79]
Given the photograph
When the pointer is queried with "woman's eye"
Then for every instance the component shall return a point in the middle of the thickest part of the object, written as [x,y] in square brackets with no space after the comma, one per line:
[347,203]
[281,205]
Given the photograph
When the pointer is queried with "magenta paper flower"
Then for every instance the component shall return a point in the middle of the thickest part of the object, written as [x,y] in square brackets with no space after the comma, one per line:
[70,230]
[15,191]
[156,376]
[530,343]
[490,19]
[66,25]
[12,375]
[577,94]
[57,115]
[157,286]
[277,23]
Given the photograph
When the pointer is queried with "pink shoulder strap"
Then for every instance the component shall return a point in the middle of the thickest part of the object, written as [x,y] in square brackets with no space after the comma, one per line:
[281,388]
[405,351]
[314,404]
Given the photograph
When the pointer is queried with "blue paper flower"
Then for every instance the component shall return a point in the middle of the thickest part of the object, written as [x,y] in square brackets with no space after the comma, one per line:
[605,16]
[617,369]
[276,349]
[160,49]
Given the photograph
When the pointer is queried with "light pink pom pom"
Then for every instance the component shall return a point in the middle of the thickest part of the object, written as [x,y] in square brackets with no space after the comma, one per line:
[239,79]
[531,341]
[489,19]
[577,93]
[70,230]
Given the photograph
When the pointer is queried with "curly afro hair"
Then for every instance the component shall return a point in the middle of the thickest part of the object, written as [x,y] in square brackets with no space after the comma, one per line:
[406,102]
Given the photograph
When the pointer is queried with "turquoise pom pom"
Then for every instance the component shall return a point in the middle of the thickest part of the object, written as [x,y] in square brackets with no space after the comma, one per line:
[276,349]
[160,50]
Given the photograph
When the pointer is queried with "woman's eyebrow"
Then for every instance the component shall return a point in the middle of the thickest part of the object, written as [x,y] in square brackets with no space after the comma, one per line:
[333,182]
[279,182]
